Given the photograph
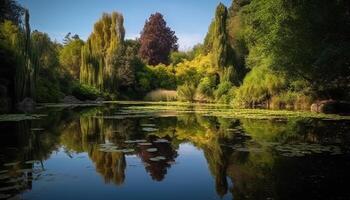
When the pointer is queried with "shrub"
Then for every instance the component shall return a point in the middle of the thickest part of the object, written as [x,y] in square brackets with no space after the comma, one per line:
[85,92]
[223,89]
[163,77]
[48,88]
[186,92]
[207,86]
[161,95]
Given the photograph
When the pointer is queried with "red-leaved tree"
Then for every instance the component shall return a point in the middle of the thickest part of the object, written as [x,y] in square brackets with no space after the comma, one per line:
[157,41]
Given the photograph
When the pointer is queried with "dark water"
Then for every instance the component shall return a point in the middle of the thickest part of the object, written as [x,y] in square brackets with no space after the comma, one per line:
[91,153]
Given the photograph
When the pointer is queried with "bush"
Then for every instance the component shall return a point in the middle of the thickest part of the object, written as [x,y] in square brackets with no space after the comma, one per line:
[161,95]
[223,89]
[85,92]
[164,77]
[207,86]
[186,92]
[48,88]
[290,100]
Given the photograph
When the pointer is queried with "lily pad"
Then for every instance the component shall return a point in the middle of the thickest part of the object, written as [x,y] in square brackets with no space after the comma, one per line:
[148,125]
[145,144]
[161,141]
[11,164]
[160,158]
[154,159]
[149,129]
[19,117]
[152,150]
[130,141]
[128,150]
[31,161]
[140,141]
[37,129]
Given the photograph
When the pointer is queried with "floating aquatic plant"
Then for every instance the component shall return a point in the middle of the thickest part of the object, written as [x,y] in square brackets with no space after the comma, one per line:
[149,129]
[152,150]
[161,141]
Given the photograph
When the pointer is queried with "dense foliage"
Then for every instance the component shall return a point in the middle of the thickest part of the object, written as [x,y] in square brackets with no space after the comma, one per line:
[157,41]
[270,53]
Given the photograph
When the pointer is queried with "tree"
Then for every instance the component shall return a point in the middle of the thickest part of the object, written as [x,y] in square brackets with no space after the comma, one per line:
[286,37]
[157,41]
[12,11]
[47,84]
[70,56]
[102,52]
[220,46]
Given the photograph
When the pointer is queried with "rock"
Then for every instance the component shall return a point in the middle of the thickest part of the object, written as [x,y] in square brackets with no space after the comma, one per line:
[100,99]
[331,107]
[26,105]
[71,100]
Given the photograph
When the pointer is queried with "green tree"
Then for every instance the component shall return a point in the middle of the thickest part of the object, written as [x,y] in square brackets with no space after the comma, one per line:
[219,45]
[101,53]
[70,56]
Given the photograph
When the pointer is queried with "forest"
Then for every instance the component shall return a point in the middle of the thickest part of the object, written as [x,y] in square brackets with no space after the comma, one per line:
[279,54]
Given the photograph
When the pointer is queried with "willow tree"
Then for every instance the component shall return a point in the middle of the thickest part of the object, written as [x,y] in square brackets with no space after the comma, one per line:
[99,59]
[27,62]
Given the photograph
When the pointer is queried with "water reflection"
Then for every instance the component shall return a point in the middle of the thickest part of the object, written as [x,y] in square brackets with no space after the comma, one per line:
[248,159]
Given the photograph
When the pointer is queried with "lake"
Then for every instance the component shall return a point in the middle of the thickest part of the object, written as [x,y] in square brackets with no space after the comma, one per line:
[142,151]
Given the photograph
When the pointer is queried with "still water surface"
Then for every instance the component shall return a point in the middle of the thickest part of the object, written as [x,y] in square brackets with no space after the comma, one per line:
[118,152]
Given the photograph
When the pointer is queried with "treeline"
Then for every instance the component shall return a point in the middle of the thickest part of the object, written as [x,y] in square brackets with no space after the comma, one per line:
[271,53]
[277,53]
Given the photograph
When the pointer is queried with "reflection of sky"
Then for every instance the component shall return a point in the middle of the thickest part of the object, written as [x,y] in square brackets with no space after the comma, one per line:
[73,178]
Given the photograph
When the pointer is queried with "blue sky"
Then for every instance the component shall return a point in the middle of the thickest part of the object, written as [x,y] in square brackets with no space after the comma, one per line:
[188,18]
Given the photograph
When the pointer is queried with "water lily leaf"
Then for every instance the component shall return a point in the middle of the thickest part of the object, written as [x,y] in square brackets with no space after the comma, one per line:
[152,150]
[128,150]
[37,129]
[130,141]
[11,164]
[148,125]
[161,141]
[140,141]
[149,129]
[32,161]
[160,158]
[154,159]
[145,144]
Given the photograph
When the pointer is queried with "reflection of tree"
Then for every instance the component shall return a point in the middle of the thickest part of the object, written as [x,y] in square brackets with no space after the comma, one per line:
[110,165]
[209,134]
[18,144]
[90,131]
[158,169]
